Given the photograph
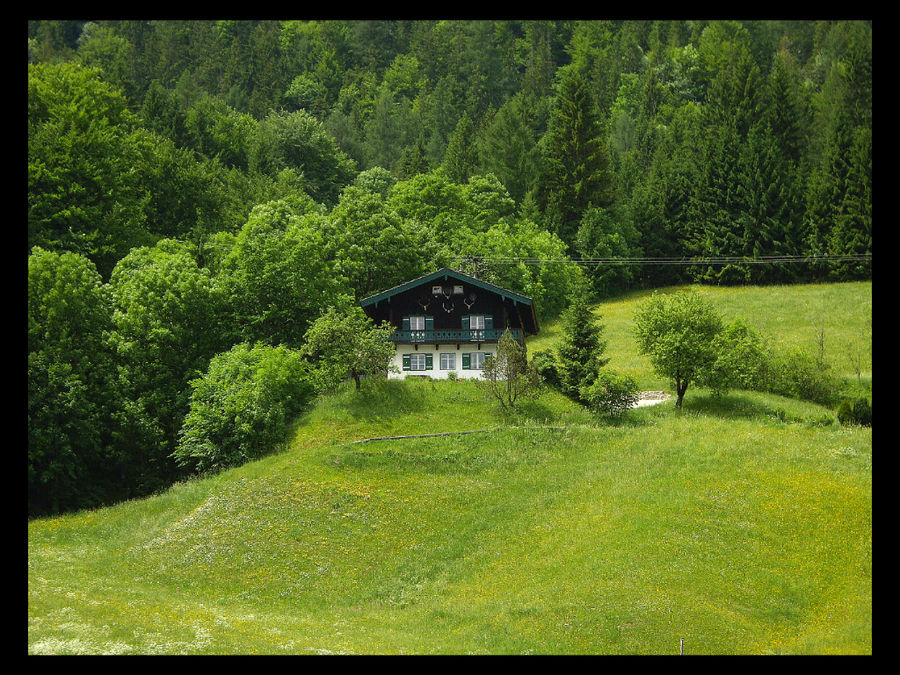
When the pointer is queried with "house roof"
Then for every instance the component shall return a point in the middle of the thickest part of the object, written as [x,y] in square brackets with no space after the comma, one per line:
[445,273]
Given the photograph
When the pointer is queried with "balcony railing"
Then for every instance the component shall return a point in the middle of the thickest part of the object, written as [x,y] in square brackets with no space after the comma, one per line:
[452,336]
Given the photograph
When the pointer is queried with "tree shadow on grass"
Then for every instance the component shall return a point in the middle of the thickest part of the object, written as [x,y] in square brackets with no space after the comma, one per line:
[744,406]
[380,397]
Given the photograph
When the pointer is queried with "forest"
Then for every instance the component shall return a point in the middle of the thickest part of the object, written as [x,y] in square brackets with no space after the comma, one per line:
[207,188]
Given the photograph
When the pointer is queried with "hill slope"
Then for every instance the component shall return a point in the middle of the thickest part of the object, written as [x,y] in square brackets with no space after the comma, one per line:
[723,524]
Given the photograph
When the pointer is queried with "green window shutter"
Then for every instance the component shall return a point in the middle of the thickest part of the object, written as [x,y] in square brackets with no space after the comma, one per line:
[429,362]
[406,364]
[465,322]
[488,322]
[466,357]
[429,323]
[405,323]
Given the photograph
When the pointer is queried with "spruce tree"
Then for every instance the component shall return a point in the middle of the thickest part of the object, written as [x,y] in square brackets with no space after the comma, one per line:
[580,353]
[461,158]
[577,174]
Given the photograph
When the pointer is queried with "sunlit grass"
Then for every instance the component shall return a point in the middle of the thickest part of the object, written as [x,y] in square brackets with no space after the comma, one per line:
[741,524]
[785,315]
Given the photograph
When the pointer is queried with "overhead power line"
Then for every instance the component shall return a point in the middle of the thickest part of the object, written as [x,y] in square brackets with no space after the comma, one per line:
[713,260]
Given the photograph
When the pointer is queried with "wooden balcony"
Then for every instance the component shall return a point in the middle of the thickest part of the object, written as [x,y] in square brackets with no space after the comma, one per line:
[460,336]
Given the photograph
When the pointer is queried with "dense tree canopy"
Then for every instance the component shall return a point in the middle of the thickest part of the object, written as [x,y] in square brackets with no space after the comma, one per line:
[194,185]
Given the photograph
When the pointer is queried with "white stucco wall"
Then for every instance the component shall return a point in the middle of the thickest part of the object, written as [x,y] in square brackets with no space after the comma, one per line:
[436,371]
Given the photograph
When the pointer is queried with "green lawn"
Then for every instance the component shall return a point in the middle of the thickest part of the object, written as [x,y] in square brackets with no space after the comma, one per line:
[786,315]
[742,525]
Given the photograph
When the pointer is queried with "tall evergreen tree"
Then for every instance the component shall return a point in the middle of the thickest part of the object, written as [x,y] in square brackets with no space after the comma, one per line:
[507,147]
[580,352]
[576,175]
[461,157]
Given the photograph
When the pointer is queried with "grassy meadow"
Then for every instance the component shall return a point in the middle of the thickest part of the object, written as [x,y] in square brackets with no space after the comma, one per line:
[742,524]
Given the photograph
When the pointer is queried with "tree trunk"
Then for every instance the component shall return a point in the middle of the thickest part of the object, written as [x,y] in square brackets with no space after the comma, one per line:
[680,388]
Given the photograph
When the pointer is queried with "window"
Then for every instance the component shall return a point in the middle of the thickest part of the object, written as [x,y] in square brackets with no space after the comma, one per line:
[417,361]
[476,359]
[417,325]
[457,290]
[448,361]
[476,322]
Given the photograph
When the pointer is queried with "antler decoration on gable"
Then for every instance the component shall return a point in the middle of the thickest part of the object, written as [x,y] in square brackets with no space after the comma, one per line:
[424,303]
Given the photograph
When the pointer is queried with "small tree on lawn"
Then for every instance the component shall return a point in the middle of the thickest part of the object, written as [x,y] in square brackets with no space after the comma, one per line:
[508,375]
[678,331]
[580,354]
[345,343]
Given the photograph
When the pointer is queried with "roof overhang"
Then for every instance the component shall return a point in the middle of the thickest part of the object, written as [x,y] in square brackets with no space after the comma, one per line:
[444,274]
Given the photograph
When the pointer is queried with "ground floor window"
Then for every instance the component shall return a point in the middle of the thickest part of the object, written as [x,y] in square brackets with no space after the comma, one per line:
[476,360]
[448,361]
[417,362]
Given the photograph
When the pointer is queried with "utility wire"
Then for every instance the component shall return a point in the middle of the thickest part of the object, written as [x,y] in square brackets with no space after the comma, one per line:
[712,260]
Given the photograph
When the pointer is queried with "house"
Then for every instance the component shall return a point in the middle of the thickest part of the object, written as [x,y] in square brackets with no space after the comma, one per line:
[448,322]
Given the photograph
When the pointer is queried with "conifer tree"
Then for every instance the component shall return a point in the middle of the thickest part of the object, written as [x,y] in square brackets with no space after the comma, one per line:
[580,353]
[461,157]
[576,174]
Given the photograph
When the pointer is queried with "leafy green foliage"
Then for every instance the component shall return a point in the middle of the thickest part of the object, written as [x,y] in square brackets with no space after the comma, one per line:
[276,278]
[169,321]
[345,343]
[374,247]
[298,141]
[507,374]
[544,362]
[83,191]
[610,394]
[741,360]
[242,406]
[678,332]
[73,394]
[796,373]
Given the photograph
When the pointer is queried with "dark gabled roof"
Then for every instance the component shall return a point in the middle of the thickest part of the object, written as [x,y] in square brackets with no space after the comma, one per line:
[444,273]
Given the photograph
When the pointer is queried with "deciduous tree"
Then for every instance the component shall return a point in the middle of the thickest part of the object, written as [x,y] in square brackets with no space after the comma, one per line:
[678,331]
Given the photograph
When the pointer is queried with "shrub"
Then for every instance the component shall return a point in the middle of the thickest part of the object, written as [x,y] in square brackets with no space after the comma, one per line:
[740,358]
[507,375]
[545,364]
[858,412]
[845,412]
[610,394]
[862,412]
[242,406]
[796,374]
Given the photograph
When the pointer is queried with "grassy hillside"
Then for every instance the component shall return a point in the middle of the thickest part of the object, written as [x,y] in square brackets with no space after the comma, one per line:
[786,315]
[742,525]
